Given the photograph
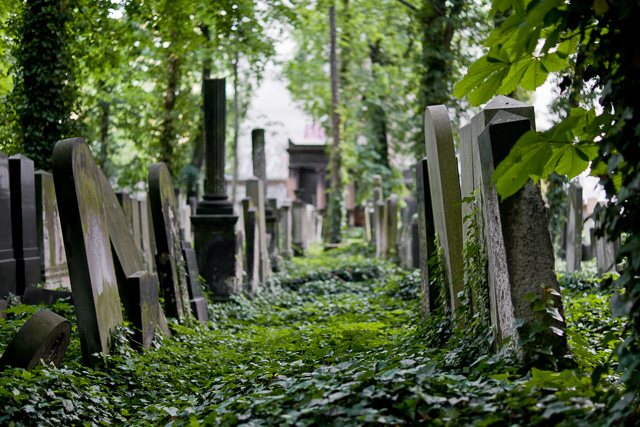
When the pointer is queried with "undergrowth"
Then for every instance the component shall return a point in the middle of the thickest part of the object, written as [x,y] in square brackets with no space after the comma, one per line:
[338,340]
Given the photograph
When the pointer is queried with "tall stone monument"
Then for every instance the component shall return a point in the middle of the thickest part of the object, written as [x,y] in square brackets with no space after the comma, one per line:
[255,192]
[519,249]
[574,228]
[23,222]
[7,259]
[445,195]
[216,242]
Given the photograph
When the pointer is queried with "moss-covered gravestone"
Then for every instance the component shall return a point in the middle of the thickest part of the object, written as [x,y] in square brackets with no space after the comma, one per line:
[44,338]
[95,232]
[169,262]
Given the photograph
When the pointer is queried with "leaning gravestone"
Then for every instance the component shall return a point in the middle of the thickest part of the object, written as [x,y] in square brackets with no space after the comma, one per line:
[445,195]
[7,260]
[23,222]
[95,232]
[169,261]
[53,259]
[574,228]
[519,249]
[44,338]
[427,236]
[197,299]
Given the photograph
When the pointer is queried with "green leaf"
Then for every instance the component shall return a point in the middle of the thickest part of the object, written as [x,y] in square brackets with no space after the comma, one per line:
[489,88]
[572,162]
[511,82]
[555,314]
[552,62]
[535,75]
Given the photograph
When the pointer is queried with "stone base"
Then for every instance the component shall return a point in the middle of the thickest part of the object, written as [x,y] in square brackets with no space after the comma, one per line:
[7,275]
[27,273]
[199,309]
[219,254]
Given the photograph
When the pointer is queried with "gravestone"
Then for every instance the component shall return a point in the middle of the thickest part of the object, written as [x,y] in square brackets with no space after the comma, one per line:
[574,228]
[519,249]
[147,237]
[252,247]
[125,203]
[44,338]
[260,172]
[605,251]
[135,224]
[169,262]
[380,229]
[197,299]
[469,155]
[368,214]
[377,197]
[35,296]
[255,192]
[23,222]
[298,213]
[285,218]
[427,238]
[274,230]
[101,254]
[7,259]
[391,224]
[216,242]
[415,243]
[444,186]
[53,259]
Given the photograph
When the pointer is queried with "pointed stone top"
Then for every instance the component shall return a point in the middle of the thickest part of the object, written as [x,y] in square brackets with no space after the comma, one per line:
[502,102]
[20,157]
[503,116]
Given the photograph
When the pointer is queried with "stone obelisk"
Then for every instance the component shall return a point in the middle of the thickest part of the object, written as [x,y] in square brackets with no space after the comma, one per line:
[216,242]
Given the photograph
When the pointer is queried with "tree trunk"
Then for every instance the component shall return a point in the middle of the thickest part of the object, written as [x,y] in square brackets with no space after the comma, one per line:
[168,133]
[335,202]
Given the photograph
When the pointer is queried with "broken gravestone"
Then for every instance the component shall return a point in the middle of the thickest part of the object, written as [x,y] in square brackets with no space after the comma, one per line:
[44,338]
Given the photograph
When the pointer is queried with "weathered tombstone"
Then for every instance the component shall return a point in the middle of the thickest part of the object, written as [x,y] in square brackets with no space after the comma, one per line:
[574,228]
[4,303]
[260,172]
[23,222]
[297,224]
[605,251]
[367,223]
[147,237]
[252,247]
[405,240]
[469,155]
[519,249]
[7,259]
[391,224]
[53,259]
[427,236]
[445,195]
[101,254]
[44,338]
[125,203]
[274,229]
[415,243]
[216,242]
[169,262]
[285,217]
[135,224]
[380,229]
[255,192]
[197,299]
[377,197]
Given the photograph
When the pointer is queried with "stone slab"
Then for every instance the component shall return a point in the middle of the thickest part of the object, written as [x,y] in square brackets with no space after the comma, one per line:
[7,259]
[35,296]
[197,299]
[427,237]
[574,228]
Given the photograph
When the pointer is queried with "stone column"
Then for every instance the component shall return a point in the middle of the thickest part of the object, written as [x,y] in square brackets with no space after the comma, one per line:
[216,241]
[255,192]
[574,228]
[297,224]
[7,259]
[427,237]
[23,215]
[391,226]
[379,216]
[252,245]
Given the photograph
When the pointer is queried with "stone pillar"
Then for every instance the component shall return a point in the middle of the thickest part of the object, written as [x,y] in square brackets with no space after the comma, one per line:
[285,217]
[415,243]
[427,237]
[7,259]
[255,192]
[380,221]
[377,197]
[445,195]
[260,171]
[391,224]
[519,248]
[574,228]
[216,241]
[147,237]
[53,259]
[23,216]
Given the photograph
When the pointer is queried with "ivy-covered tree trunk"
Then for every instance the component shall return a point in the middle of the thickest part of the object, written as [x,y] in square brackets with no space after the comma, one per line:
[168,133]
[44,92]
[335,201]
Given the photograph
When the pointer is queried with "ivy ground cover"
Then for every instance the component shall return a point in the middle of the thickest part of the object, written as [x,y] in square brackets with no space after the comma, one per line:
[337,340]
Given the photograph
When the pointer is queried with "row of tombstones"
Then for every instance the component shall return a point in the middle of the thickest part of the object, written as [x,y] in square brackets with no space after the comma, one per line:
[108,242]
